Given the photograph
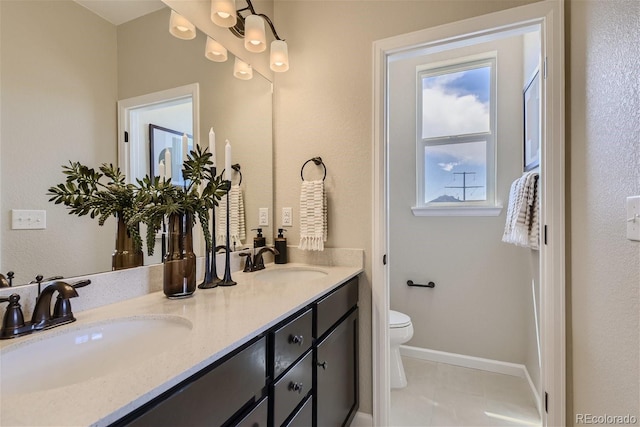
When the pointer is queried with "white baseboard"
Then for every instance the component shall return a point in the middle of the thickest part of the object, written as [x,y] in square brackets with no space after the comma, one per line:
[507,368]
[362,419]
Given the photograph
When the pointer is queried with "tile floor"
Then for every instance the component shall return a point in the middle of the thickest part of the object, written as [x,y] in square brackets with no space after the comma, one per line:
[439,394]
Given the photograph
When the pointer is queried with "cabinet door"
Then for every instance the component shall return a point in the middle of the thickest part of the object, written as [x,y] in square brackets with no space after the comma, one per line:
[337,374]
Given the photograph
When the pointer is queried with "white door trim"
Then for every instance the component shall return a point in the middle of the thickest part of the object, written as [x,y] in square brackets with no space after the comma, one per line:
[549,16]
[129,104]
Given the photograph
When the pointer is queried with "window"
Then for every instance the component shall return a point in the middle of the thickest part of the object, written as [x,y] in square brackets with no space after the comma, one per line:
[456,138]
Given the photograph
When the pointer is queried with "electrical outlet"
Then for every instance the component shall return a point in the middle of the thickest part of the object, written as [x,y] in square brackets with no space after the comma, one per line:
[633,218]
[263,217]
[287,217]
[28,219]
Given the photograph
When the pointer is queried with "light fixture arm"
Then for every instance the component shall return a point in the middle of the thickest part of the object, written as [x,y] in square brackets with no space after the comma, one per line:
[273,29]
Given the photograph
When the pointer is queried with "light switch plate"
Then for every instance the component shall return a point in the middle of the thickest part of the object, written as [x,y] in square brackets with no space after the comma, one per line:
[263,217]
[22,219]
[287,217]
[633,218]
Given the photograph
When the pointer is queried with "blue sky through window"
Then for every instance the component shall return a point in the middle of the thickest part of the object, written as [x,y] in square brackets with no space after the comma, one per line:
[453,104]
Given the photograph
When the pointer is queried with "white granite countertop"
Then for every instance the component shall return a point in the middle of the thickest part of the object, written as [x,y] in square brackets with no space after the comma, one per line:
[221,320]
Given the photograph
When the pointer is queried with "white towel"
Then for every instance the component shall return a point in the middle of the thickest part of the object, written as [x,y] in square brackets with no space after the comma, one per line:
[237,228]
[313,216]
[521,226]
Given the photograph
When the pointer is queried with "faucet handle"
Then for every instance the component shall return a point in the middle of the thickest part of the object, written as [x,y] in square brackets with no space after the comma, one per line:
[248,265]
[62,307]
[13,317]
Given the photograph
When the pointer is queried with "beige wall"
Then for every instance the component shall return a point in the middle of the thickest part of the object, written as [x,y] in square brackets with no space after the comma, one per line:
[323,107]
[59,92]
[603,50]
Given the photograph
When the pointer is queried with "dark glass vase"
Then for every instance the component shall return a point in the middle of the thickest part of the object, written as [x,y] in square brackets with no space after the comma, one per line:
[125,255]
[180,261]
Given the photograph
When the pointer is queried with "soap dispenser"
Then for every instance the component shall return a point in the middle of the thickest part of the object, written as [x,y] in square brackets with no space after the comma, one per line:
[259,241]
[281,247]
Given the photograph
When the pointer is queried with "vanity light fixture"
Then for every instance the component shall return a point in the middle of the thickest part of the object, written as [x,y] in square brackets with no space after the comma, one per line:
[252,29]
[180,27]
[214,51]
[242,70]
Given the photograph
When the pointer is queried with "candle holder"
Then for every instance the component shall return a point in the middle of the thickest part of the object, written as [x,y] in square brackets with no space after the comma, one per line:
[227,281]
[211,279]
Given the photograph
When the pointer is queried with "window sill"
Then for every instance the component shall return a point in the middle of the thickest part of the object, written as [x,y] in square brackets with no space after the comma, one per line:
[457,211]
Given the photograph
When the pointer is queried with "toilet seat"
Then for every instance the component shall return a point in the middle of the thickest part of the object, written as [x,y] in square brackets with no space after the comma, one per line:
[398,320]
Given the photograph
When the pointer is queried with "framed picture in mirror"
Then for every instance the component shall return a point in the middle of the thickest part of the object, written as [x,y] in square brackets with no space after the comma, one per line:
[168,149]
[532,131]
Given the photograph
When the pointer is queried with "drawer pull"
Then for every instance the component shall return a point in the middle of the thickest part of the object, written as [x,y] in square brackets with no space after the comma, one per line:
[296,387]
[296,339]
[323,365]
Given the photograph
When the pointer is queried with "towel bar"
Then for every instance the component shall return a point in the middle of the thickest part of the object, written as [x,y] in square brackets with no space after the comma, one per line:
[428,285]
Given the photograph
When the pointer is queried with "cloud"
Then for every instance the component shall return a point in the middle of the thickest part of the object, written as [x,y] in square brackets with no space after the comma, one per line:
[448,166]
[447,114]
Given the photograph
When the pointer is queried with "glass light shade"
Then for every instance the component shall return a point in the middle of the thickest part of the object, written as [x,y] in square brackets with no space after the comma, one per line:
[279,58]
[242,70]
[180,27]
[214,51]
[255,39]
[223,13]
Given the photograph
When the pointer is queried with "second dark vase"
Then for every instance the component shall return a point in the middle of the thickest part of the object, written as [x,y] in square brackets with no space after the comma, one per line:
[179,279]
[125,255]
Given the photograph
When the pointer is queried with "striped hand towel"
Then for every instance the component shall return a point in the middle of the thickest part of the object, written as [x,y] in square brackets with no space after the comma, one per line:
[237,228]
[521,226]
[313,216]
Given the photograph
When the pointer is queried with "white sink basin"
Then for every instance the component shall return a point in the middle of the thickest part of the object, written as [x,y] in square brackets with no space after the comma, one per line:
[290,275]
[90,351]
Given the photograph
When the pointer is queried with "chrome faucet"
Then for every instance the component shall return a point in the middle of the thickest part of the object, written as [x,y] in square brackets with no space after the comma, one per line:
[258,260]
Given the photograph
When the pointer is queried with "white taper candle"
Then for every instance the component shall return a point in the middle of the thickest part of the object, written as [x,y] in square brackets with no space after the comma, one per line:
[212,147]
[227,161]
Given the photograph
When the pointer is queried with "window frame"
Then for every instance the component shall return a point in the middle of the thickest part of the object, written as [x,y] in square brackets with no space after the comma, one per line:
[486,207]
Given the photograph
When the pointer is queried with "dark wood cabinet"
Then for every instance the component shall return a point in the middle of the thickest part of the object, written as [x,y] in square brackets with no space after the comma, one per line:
[301,372]
[336,394]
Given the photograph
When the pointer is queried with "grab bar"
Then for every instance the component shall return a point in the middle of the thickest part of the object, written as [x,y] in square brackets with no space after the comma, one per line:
[428,285]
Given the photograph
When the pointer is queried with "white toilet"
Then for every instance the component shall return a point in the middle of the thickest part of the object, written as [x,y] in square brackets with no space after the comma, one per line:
[400,331]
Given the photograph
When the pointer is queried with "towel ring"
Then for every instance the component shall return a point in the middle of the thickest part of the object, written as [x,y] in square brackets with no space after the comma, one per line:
[236,168]
[318,161]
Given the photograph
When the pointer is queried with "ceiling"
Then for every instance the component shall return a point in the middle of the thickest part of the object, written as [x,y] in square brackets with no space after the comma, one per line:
[120,11]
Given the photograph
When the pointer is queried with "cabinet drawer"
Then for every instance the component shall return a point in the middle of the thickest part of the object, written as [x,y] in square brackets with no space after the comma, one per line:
[258,417]
[214,397]
[291,341]
[304,416]
[335,305]
[289,390]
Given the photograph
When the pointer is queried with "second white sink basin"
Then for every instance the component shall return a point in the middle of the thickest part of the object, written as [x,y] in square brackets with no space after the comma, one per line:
[290,275]
[90,351]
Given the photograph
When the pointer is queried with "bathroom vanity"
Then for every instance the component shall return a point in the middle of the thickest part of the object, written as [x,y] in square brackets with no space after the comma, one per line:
[273,350]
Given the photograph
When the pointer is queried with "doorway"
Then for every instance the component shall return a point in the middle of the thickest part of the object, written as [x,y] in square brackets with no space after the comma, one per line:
[547,17]
[169,113]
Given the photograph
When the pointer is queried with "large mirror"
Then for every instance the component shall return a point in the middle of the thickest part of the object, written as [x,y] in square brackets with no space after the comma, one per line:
[63,71]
